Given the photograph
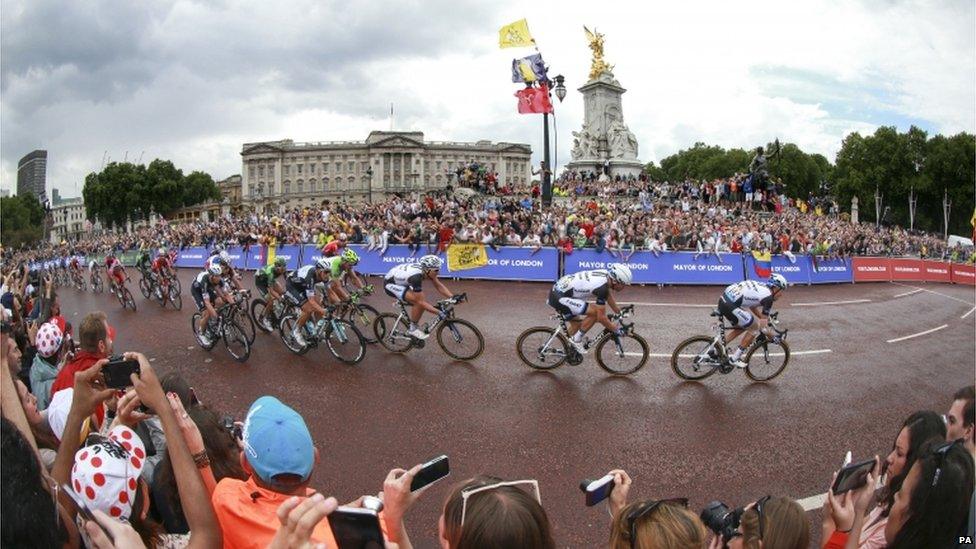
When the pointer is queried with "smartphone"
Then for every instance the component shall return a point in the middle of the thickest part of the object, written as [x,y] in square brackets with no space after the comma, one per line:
[118,371]
[597,490]
[356,528]
[431,472]
[83,509]
[852,476]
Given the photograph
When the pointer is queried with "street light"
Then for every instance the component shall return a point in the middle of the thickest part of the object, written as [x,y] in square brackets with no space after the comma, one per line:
[560,90]
[369,173]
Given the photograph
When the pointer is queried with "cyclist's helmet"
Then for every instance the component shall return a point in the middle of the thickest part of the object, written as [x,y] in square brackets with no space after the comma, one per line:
[280,262]
[343,237]
[215,269]
[350,256]
[430,263]
[777,280]
[225,257]
[323,263]
[621,273]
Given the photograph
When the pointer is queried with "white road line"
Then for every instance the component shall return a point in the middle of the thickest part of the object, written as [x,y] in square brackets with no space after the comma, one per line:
[969,313]
[792,353]
[915,291]
[897,339]
[823,303]
[970,303]
[813,502]
[700,305]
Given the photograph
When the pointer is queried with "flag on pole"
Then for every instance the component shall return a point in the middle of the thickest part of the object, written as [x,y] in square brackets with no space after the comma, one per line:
[515,35]
[763,263]
[534,100]
[529,69]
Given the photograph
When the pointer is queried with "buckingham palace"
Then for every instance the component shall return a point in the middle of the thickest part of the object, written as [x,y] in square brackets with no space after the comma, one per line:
[284,174]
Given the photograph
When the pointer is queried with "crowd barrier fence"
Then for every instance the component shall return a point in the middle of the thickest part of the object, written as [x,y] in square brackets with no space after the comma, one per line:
[546,265]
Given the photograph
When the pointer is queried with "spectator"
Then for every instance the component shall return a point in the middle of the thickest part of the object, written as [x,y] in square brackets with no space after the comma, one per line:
[95,337]
[652,523]
[773,523]
[44,369]
[278,457]
[488,512]
[959,420]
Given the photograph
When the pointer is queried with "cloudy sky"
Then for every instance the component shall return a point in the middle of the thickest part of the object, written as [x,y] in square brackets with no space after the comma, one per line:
[192,81]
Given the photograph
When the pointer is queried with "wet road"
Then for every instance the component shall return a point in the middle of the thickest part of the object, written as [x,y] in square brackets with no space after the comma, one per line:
[725,438]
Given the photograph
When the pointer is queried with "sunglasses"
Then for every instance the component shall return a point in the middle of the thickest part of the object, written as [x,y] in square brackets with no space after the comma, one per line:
[465,494]
[762,518]
[645,509]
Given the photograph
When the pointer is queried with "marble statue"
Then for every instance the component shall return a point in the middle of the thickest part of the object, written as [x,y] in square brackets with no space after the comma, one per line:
[622,141]
[584,144]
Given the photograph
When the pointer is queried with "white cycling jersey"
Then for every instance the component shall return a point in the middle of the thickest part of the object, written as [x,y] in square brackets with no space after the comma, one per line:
[585,284]
[407,274]
[748,293]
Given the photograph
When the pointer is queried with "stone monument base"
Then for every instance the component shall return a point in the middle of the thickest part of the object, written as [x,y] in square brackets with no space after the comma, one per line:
[618,166]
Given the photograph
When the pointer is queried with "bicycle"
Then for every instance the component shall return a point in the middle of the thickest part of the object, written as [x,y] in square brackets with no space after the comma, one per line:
[78,281]
[224,327]
[123,294]
[268,321]
[360,314]
[546,348]
[97,284]
[342,338]
[707,354]
[241,300]
[392,331]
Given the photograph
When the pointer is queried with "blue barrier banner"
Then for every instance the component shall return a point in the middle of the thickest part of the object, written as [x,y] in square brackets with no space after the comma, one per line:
[508,263]
[192,257]
[668,268]
[255,258]
[796,271]
[292,253]
[238,259]
[828,271]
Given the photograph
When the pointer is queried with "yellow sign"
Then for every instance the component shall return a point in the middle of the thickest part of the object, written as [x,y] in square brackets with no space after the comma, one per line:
[466,256]
[515,35]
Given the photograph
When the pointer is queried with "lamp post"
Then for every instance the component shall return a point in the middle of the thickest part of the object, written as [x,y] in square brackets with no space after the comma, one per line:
[946,208]
[560,90]
[369,173]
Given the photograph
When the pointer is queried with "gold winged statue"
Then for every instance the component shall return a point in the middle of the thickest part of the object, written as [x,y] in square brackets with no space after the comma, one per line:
[599,65]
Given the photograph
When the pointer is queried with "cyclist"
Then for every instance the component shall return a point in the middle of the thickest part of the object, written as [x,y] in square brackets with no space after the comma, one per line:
[300,290]
[335,247]
[142,262]
[207,291]
[93,269]
[742,304]
[568,299]
[162,270]
[341,266]
[405,283]
[222,258]
[114,271]
[75,268]
[266,281]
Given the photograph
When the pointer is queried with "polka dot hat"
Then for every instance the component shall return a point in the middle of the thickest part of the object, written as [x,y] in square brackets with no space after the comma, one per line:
[49,338]
[106,474]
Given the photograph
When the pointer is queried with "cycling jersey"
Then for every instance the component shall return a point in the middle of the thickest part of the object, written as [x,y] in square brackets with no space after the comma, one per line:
[111,262]
[400,279]
[263,278]
[161,262]
[335,266]
[300,284]
[738,298]
[333,248]
[202,287]
[585,284]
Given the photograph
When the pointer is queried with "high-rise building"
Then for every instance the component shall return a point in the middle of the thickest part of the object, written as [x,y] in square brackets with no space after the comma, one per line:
[32,175]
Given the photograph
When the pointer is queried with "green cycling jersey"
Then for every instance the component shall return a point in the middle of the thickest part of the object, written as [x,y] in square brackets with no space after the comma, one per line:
[268,271]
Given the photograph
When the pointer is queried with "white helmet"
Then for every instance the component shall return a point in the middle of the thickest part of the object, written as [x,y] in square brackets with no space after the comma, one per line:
[621,273]
[323,263]
[777,280]
[430,263]
[225,257]
[215,269]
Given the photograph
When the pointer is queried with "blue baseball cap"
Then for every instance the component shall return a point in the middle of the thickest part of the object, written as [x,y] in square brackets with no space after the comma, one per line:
[277,441]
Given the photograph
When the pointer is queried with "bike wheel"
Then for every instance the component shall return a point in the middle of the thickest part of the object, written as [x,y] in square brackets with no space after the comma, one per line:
[285,329]
[690,359]
[194,321]
[363,316]
[460,339]
[175,298]
[129,301]
[542,348]
[345,342]
[247,325]
[236,341]
[262,322]
[624,356]
[145,287]
[175,282]
[771,360]
[392,336]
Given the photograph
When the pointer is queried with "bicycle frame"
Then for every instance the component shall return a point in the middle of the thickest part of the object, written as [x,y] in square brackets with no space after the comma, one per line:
[564,330]
[718,342]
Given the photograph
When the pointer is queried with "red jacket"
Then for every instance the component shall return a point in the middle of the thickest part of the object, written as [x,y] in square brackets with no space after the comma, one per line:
[66,377]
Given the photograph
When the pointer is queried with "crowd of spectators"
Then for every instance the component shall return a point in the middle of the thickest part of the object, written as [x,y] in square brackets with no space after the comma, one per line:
[151,465]
[617,216]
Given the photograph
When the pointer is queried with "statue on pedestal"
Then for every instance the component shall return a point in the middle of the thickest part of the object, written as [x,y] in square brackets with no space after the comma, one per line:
[623,143]
[599,65]
[584,144]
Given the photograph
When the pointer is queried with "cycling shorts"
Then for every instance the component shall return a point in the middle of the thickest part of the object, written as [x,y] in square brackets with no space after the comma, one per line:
[298,295]
[396,291]
[739,317]
[261,283]
[567,307]
[199,295]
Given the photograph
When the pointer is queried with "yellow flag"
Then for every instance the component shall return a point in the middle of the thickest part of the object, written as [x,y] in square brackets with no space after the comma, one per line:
[466,256]
[515,35]
[272,248]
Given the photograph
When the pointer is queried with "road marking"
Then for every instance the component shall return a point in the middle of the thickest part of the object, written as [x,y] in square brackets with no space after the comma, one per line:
[970,303]
[823,303]
[915,291]
[969,313]
[897,339]
[699,305]
[813,502]
[190,348]
[792,353]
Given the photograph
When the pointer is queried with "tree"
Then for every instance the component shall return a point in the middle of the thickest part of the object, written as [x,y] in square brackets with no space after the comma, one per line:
[23,220]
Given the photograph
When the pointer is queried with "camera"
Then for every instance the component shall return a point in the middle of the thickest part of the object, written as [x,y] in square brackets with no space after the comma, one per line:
[721,520]
[232,427]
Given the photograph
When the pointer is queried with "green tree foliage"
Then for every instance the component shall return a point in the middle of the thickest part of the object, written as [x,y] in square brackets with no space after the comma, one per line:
[125,191]
[893,164]
[23,220]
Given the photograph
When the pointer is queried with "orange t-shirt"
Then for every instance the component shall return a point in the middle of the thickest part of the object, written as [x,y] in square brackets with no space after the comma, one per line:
[248,515]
